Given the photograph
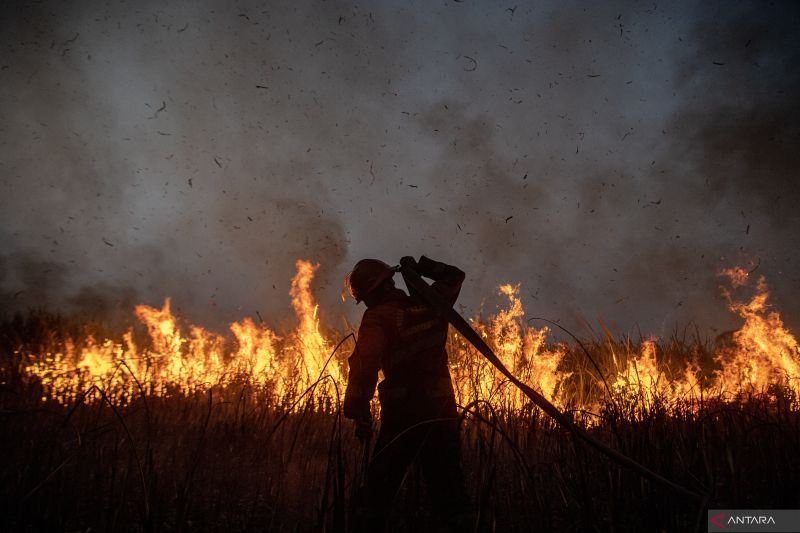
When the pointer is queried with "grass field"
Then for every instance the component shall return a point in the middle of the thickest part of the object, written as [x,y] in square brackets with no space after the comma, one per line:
[169,427]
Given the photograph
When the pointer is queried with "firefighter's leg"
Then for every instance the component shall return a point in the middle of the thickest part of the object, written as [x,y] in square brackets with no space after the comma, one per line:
[441,466]
[393,453]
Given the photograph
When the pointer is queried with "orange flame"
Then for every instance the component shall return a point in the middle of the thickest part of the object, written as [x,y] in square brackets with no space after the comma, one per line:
[311,346]
[522,350]
[762,354]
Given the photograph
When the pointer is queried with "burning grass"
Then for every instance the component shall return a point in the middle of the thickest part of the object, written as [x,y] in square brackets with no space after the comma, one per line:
[172,427]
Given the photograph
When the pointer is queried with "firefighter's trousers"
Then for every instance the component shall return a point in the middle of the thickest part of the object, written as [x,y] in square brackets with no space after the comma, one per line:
[415,430]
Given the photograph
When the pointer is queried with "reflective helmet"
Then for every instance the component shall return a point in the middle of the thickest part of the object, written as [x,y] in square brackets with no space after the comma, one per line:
[365,277]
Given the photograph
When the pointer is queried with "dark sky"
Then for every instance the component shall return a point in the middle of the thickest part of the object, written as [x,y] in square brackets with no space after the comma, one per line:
[610,157]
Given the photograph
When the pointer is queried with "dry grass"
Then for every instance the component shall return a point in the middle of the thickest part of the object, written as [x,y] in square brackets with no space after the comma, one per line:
[234,459]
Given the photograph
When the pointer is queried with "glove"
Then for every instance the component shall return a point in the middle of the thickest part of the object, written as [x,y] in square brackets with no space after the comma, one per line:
[408,262]
[364,430]
[427,267]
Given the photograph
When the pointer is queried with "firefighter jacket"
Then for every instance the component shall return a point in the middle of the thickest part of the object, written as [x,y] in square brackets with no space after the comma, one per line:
[405,339]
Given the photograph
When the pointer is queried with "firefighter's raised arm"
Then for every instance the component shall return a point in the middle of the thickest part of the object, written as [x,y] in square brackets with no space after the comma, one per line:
[447,278]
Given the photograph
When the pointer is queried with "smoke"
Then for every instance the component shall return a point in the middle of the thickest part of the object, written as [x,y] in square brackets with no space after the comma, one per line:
[608,158]
[732,141]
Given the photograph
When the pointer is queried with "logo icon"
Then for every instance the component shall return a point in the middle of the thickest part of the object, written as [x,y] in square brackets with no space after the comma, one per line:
[718,520]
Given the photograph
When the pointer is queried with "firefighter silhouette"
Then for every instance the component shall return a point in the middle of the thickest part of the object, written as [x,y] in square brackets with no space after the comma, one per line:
[404,338]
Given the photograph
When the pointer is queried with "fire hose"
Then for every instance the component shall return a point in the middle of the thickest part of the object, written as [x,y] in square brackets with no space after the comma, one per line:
[416,284]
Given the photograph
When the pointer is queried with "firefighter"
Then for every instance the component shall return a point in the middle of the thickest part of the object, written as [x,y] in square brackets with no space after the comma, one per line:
[404,338]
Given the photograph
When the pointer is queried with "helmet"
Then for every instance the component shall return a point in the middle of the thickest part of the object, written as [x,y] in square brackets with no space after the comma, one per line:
[365,277]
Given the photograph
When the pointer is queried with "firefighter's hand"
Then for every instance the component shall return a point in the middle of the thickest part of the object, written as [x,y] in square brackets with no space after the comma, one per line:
[408,262]
[364,429]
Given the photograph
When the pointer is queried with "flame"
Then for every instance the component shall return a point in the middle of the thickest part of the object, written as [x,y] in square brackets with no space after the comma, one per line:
[642,376]
[522,349]
[312,347]
[764,352]
[173,362]
[737,276]
[173,358]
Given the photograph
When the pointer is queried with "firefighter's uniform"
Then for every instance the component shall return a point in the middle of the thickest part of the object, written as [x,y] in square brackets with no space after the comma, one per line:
[406,339]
